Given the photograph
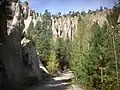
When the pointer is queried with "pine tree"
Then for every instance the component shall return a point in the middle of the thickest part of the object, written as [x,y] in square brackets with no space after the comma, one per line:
[42,36]
[101,8]
[83,13]
[89,11]
[52,64]
[60,52]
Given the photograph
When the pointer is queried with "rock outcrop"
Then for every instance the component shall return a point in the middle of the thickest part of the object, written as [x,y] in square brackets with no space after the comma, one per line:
[30,58]
[64,26]
[12,62]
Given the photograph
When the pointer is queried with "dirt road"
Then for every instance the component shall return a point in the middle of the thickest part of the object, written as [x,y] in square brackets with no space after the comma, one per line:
[57,83]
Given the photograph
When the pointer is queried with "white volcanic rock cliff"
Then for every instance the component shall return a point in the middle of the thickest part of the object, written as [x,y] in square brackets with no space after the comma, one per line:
[64,26]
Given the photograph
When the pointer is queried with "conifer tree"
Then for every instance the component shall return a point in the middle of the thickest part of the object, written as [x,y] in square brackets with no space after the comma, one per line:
[42,36]
[60,52]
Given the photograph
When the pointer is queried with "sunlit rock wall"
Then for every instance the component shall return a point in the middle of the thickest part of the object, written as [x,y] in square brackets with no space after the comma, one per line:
[64,26]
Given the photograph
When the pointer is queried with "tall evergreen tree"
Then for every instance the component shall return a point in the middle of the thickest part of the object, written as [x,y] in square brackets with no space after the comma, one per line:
[60,52]
[42,36]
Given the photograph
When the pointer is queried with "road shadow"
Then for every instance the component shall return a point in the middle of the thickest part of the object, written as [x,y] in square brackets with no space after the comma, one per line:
[50,84]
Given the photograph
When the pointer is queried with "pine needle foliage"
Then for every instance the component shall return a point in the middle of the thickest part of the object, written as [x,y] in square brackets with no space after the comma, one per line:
[52,64]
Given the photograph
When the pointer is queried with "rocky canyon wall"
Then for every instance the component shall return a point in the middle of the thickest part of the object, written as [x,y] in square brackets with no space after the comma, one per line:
[66,25]
[13,54]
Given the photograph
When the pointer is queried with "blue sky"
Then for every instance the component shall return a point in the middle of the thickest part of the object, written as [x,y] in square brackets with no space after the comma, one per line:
[55,6]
